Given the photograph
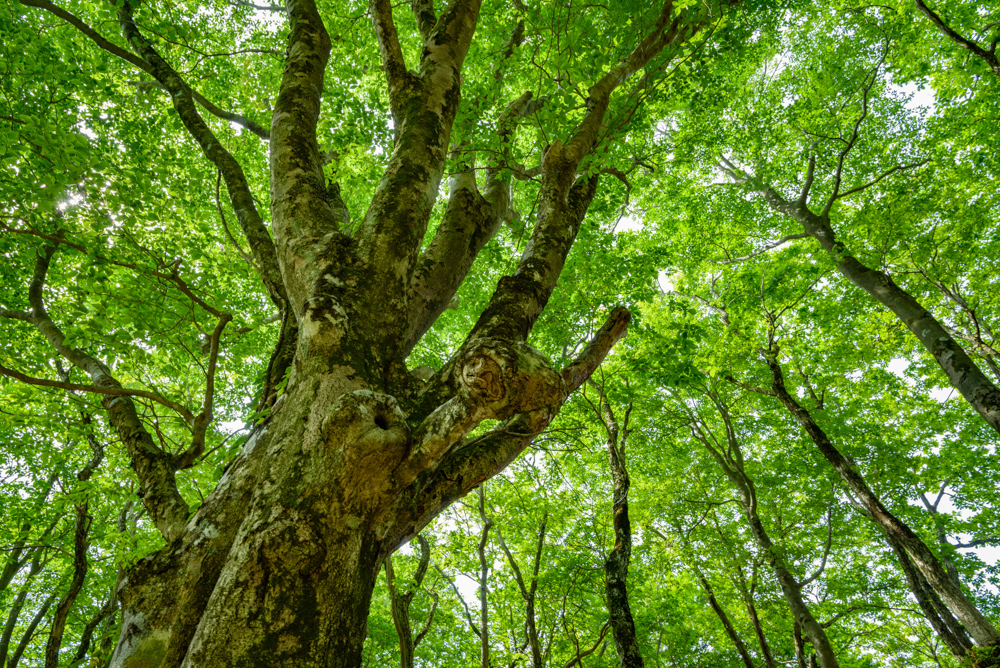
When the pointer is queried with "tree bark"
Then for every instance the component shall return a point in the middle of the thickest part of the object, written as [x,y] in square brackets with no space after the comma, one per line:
[400,604]
[617,562]
[748,593]
[937,614]
[276,567]
[484,573]
[978,626]
[961,371]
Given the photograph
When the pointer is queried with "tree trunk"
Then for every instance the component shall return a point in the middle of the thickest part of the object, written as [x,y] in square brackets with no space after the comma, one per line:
[963,373]
[731,463]
[400,603]
[617,563]
[277,566]
[726,624]
[938,616]
[978,626]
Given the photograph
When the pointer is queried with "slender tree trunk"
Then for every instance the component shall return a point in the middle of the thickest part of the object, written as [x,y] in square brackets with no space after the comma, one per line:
[726,624]
[937,614]
[29,632]
[18,604]
[529,590]
[765,647]
[80,545]
[617,563]
[731,464]
[978,626]
[962,372]
[484,572]
[799,644]
[400,603]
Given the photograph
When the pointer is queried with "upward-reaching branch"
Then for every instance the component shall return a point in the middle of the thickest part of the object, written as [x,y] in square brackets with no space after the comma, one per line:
[423,12]
[397,76]
[988,55]
[301,211]
[236,183]
[129,57]
[470,221]
[565,198]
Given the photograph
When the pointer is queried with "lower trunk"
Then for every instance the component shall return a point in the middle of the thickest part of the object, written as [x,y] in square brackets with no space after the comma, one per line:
[897,532]
[793,596]
[938,616]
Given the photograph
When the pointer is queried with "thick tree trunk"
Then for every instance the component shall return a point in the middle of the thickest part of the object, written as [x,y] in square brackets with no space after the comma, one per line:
[978,626]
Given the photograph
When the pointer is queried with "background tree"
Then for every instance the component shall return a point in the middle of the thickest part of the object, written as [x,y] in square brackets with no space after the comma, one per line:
[299,341]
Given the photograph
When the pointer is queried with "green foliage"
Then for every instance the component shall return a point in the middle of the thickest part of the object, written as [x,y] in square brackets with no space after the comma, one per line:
[95,150]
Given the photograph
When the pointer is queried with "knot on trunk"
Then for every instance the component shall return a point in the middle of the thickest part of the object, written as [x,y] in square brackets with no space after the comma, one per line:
[484,378]
[369,430]
[504,378]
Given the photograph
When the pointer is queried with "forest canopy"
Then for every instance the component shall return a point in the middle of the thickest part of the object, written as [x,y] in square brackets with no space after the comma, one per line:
[524,333]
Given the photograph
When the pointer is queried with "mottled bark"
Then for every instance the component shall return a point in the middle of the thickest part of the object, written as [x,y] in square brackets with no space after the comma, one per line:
[937,614]
[261,246]
[276,567]
[726,624]
[617,562]
[484,574]
[978,626]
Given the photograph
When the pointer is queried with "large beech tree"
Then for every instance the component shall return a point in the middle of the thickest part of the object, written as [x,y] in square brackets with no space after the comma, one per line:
[269,275]
[350,454]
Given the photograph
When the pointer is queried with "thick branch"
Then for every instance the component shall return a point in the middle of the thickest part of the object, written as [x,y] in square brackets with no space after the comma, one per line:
[469,222]
[301,212]
[397,76]
[470,463]
[423,12]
